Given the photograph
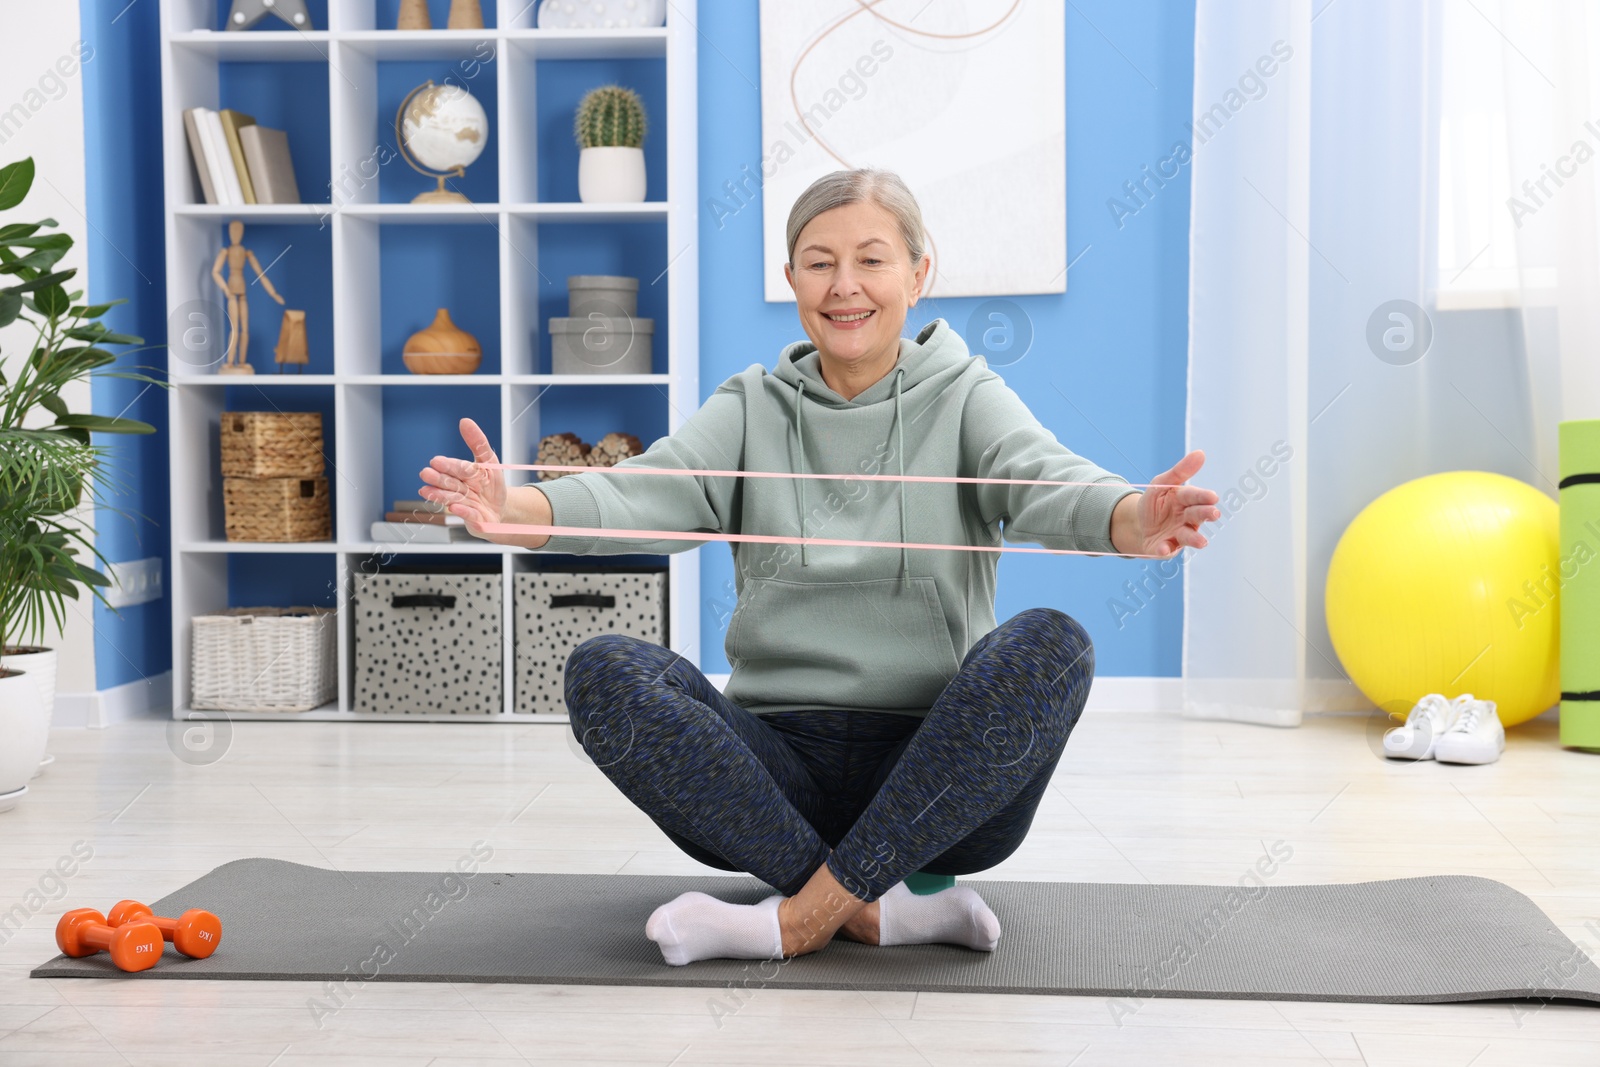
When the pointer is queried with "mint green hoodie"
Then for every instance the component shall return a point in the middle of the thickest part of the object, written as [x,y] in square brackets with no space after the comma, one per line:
[831,626]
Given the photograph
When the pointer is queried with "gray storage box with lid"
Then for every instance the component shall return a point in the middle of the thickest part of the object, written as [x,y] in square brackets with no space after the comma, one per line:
[428,643]
[601,344]
[557,610]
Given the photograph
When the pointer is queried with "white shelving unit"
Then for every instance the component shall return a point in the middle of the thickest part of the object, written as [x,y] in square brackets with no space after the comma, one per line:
[351,47]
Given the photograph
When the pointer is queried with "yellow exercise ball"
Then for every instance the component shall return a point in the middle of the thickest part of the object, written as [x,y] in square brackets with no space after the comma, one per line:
[1450,584]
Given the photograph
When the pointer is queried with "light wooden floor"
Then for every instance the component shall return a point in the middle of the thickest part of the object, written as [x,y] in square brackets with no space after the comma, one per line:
[1139,796]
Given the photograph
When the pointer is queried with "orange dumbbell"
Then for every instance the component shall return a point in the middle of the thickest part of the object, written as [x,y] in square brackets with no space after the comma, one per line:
[195,933]
[133,947]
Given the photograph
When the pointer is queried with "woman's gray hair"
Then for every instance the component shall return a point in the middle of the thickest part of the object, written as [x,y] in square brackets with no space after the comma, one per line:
[881,187]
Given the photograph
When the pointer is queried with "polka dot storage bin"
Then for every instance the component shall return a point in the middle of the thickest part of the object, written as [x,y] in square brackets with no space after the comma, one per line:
[428,644]
[556,611]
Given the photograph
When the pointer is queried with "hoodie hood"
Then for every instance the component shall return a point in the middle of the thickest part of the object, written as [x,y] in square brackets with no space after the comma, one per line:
[935,357]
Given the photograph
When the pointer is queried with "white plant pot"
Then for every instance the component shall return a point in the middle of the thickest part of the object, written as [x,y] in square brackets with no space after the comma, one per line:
[25,728]
[40,665]
[611,174]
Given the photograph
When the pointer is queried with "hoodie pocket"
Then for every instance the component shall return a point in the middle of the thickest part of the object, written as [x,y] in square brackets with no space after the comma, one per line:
[876,643]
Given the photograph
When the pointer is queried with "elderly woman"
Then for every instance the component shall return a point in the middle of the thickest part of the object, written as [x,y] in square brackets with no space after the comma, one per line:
[878,725]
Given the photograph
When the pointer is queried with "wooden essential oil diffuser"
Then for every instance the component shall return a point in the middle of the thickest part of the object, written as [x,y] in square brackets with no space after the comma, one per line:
[442,348]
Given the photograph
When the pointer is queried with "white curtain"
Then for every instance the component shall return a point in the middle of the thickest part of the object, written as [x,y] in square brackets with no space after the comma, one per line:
[1363,309]
[1549,57]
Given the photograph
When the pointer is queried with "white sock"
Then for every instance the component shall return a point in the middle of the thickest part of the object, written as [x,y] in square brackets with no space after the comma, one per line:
[694,926]
[954,916]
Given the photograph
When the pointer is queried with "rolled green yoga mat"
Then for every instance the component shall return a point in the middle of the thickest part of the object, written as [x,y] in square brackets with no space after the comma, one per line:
[1580,583]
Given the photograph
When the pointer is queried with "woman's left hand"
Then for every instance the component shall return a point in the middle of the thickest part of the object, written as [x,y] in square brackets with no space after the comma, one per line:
[1163,520]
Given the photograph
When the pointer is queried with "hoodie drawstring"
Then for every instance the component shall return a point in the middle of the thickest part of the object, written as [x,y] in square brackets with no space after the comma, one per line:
[799,409]
[899,425]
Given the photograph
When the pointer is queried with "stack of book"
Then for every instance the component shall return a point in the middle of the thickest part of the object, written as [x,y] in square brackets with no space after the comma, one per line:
[421,520]
[238,161]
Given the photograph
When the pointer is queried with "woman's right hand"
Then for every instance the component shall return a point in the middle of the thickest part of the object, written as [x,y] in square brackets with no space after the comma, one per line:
[467,490]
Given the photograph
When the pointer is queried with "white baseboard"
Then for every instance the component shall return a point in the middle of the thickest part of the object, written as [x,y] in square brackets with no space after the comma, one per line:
[1335,695]
[1322,695]
[152,698]
[144,698]
[1135,693]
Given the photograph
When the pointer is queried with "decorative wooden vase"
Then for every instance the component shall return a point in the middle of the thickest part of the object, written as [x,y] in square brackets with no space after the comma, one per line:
[414,16]
[292,347]
[442,348]
[465,15]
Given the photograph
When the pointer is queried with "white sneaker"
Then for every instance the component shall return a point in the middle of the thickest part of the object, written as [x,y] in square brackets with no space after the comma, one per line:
[1427,722]
[1477,736]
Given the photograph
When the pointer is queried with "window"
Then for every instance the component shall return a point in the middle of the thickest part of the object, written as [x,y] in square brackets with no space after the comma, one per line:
[1481,188]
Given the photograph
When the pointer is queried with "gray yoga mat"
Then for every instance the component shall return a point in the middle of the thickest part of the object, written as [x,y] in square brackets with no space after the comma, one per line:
[1360,941]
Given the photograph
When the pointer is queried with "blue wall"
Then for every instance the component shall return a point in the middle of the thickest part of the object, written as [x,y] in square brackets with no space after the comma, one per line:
[1115,343]
[126,258]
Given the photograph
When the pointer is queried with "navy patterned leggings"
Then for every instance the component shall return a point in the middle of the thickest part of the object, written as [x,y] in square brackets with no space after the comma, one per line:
[875,795]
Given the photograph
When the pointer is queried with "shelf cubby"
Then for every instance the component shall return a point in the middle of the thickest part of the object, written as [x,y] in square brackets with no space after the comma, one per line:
[268,576]
[317,9]
[297,258]
[419,424]
[546,254]
[182,18]
[288,93]
[384,14]
[425,268]
[283,579]
[547,168]
[196,426]
[398,181]
[590,411]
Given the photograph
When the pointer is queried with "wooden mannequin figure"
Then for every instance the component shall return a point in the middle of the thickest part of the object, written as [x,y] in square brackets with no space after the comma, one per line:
[236,255]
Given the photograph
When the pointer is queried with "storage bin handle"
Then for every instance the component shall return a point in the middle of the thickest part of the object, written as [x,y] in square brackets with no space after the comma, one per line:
[583,600]
[422,600]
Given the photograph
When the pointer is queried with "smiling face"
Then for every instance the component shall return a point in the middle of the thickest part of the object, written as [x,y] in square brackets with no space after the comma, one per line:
[853,281]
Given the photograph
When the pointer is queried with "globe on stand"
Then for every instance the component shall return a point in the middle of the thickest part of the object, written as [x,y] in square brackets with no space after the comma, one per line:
[441,129]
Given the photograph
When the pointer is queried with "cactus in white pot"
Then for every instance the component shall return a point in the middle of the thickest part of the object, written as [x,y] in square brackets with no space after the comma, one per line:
[610,125]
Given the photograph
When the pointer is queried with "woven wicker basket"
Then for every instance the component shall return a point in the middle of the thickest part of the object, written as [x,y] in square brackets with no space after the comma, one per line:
[276,509]
[272,444]
[264,659]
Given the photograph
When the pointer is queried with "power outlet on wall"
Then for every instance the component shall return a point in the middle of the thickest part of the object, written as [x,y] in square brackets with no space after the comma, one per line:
[135,582]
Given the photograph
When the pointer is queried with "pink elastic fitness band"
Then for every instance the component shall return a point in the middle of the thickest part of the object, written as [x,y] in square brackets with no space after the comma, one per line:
[679,535]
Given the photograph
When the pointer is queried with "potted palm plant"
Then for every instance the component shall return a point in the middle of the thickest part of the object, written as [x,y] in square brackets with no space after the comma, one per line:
[610,127]
[49,466]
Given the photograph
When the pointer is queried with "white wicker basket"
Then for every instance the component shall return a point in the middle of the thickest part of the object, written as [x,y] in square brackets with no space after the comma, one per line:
[264,659]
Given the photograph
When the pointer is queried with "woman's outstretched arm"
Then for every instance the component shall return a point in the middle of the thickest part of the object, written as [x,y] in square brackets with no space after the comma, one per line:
[481,496]
[599,499]
[1165,520]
